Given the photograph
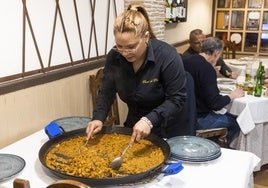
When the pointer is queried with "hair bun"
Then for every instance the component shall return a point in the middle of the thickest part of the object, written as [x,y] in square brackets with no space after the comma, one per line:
[133,8]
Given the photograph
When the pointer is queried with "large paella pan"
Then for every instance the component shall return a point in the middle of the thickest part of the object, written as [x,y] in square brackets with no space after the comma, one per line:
[113,178]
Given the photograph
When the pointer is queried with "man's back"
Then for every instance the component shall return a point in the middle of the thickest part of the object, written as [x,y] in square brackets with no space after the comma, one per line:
[206,90]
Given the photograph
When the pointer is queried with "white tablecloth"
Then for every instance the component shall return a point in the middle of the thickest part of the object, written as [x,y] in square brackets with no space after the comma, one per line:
[232,169]
[250,110]
[253,120]
[235,65]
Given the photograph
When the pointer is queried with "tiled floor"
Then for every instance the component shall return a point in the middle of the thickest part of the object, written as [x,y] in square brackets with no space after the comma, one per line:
[261,178]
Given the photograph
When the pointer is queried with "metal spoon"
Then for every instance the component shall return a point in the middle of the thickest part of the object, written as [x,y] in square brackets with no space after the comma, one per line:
[116,163]
[79,149]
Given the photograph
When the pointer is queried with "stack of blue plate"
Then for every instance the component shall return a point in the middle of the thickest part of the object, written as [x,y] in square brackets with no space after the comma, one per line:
[10,165]
[72,123]
[193,149]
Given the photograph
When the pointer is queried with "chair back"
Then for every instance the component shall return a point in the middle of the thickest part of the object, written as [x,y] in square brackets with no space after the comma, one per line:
[216,134]
[95,82]
[229,50]
[68,184]
[21,183]
[191,103]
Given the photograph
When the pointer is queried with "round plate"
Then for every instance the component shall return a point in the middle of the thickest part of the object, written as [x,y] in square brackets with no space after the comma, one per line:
[224,88]
[193,148]
[236,37]
[226,81]
[238,62]
[72,123]
[10,165]
[254,15]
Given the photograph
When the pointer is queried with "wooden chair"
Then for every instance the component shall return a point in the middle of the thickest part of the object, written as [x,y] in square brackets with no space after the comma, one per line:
[218,135]
[22,183]
[229,50]
[94,86]
[68,184]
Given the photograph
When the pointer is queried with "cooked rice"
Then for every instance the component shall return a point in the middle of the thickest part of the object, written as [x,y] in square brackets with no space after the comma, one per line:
[94,158]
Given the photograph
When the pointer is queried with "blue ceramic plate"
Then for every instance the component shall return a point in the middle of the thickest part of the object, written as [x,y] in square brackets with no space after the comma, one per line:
[193,148]
[10,165]
[72,123]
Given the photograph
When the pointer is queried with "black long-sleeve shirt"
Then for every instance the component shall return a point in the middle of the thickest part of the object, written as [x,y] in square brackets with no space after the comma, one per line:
[225,70]
[208,97]
[156,90]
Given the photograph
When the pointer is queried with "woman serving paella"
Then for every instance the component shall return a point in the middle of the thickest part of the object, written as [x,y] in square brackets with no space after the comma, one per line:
[148,75]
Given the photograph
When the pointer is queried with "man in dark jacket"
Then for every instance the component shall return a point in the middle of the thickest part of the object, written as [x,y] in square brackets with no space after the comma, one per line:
[209,101]
[195,39]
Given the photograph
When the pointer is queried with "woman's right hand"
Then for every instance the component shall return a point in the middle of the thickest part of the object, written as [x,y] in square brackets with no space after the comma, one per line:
[93,127]
[140,130]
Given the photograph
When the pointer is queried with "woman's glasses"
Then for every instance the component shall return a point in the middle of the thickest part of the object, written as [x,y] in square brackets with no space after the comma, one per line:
[129,50]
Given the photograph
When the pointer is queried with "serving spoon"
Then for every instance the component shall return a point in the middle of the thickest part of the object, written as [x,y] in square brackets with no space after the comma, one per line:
[79,149]
[116,163]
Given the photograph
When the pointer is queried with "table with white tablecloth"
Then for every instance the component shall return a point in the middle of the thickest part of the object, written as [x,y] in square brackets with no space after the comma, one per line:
[252,112]
[238,65]
[232,169]
[253,120]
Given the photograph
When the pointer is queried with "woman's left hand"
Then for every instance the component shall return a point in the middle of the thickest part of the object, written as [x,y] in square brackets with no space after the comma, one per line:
[140,130]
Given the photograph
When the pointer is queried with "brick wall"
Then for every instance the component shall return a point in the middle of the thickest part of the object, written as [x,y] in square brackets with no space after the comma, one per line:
[156,11]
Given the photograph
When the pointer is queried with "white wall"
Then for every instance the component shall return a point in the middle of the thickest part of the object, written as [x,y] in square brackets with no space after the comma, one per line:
[199,15]
[26,111]
[41,14]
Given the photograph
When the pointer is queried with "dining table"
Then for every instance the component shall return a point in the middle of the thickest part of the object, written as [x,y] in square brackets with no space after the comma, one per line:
[252,117]
[239,65]
[251,111]
[232,168]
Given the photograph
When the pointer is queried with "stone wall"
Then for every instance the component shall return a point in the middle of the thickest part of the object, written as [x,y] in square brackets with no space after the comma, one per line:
[156,12]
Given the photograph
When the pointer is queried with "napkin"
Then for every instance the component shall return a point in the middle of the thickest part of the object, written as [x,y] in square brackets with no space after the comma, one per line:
[221,111]
[245,120]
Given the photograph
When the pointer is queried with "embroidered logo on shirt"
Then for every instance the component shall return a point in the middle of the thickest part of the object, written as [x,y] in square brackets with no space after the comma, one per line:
[150,81]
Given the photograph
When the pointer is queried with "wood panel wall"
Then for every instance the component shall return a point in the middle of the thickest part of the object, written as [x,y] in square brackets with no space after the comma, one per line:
[26,111]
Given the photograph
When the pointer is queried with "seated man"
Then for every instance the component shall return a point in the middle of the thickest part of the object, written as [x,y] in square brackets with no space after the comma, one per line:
[195,39]
[208,97]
